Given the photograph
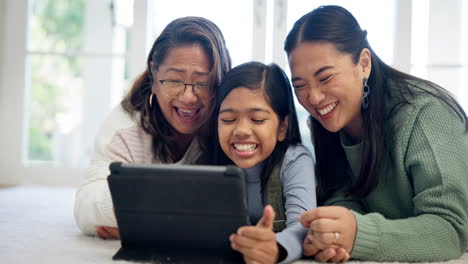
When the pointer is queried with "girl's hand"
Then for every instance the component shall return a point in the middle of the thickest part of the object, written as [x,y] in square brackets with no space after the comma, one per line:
[257,243]
[106,232]
[329,227]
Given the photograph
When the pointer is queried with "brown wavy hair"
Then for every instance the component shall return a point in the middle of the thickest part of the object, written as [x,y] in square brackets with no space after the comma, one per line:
[185,31]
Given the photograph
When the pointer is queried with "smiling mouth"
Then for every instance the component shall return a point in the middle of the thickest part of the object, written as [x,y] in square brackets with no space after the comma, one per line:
[187,114]
[245,147]
[327,109]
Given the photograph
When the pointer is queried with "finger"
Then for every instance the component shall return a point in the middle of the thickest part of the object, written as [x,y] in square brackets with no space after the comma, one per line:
[113,231]
[319,244]
[325,225]
[243,241]
[341,255]
[258,233]
[250,261]
[325,255]
[332,212]
[101,232]
[308,248]
[324,237]
[254,254]
[268,218]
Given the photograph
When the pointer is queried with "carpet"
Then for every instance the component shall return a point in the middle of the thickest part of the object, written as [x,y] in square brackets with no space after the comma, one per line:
[37,225]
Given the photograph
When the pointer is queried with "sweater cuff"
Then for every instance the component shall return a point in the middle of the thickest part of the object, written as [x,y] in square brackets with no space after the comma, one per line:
[367,237]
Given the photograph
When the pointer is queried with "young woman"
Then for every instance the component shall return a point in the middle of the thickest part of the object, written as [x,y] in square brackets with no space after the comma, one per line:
[392,149]
[258,131]
[161,119]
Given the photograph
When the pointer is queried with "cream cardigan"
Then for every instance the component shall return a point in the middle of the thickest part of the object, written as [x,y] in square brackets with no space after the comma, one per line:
[120,138]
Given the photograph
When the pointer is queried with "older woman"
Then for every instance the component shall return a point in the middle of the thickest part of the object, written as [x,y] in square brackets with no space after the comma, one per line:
[162,118]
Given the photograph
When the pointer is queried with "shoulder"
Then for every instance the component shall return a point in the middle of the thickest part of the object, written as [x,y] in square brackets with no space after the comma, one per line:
[421,99]
[116,120]
[297,157]
[120,130]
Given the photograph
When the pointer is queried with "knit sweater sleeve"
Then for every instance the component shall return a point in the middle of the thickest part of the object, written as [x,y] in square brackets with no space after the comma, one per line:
[93,203]
[340,198]
[298,181]
[436,162]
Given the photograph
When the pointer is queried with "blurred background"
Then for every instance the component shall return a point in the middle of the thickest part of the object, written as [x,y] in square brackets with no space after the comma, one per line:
[65,63]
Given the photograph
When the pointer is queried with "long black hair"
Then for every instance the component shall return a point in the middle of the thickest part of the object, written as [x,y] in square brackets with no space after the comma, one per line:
[278,94]
[181,32]
[335,25]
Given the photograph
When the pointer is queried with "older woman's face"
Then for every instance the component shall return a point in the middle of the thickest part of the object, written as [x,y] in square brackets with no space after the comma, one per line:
[329,85]
[189,110]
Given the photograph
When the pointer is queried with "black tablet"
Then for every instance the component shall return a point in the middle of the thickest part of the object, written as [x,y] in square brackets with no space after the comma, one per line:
[177,208]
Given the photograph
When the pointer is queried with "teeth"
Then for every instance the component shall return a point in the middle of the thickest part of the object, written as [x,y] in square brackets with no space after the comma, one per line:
[245,147]
[327,109]
[186,111]
[186,114]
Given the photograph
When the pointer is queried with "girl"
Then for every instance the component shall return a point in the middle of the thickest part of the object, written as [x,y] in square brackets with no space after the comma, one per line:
[258,131]
[391,149]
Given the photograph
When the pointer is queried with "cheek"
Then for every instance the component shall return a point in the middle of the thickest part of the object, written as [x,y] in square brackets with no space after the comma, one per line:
[223,134]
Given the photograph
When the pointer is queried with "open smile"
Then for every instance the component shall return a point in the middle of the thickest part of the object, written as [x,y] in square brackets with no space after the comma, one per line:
[187,115]
[244,149]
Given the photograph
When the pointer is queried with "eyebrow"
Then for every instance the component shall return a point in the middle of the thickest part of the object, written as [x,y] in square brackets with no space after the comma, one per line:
[183,71]
[230,110]
[315,73]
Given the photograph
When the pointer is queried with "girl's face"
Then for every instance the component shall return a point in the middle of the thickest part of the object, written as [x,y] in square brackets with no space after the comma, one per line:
[188,111]
[329,85]
[248,127]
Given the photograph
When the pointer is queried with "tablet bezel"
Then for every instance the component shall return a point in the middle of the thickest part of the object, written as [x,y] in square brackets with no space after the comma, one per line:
[178,206]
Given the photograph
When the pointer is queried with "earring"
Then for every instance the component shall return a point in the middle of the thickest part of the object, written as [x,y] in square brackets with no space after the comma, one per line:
[365,94]
[151,100]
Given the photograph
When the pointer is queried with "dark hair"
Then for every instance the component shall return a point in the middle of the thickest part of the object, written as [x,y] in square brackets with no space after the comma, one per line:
[278,94]
[335,25]
[181,32]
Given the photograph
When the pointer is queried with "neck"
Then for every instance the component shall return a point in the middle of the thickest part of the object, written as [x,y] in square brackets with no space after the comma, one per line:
[354,129]
[183,143]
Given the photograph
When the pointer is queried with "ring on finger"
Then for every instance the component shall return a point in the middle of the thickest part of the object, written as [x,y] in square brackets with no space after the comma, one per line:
[337,235]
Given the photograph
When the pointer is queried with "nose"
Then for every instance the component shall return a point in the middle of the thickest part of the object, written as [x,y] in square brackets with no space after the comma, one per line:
[188,96]
[242,129]
[315,95]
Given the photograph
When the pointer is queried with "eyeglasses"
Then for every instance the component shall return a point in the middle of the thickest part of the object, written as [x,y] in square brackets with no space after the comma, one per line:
[174,89]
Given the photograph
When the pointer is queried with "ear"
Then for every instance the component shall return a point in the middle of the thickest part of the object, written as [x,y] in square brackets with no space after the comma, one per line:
[283,128]
[365,62]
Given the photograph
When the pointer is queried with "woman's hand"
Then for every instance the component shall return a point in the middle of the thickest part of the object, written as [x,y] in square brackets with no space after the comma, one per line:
[330,228]
[257,243]
[328,255]
[106,232]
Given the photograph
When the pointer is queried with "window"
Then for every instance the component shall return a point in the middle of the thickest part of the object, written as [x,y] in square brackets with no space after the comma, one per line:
[439,51]
[76,61]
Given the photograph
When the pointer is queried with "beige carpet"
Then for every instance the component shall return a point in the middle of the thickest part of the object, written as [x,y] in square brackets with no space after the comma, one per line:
[37,225]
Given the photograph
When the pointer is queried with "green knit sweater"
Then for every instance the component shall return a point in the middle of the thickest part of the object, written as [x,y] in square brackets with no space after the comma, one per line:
[419,210]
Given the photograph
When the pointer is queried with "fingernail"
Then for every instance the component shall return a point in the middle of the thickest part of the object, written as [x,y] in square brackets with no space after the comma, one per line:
[310,237]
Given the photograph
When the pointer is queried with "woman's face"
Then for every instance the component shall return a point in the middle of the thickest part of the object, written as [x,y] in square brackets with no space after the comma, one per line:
[248,128]
[188,111]
[329,85]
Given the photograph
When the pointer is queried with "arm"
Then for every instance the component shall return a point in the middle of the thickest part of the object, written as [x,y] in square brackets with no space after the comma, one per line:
[437,163]
[298,181]
[341,199]
[93,203]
